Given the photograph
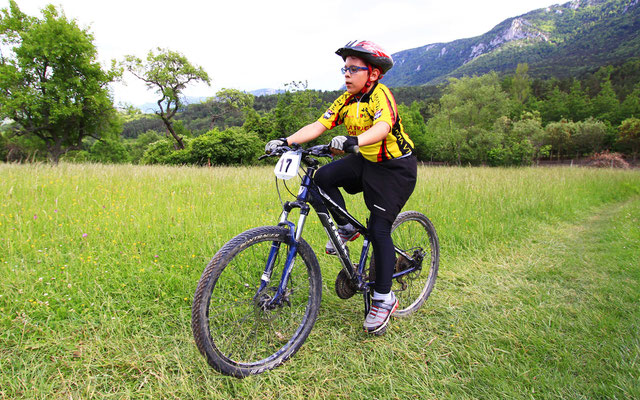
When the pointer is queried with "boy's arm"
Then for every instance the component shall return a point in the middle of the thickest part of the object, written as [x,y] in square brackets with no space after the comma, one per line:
[307,133]
[375,134]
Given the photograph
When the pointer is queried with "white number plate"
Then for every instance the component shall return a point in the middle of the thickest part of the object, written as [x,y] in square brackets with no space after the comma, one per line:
[287,166]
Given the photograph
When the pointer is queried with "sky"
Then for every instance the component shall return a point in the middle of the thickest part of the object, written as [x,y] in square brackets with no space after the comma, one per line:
[257,44]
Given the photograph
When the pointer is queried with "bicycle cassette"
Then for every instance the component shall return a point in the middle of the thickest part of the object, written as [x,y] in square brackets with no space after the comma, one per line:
[345,288]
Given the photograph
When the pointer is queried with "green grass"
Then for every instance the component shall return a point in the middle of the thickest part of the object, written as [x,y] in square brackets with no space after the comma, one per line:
[537,295]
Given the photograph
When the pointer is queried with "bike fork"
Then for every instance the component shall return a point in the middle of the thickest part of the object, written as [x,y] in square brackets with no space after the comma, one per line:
[293,240]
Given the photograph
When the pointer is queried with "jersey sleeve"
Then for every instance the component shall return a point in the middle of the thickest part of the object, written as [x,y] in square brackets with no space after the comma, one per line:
[332,118]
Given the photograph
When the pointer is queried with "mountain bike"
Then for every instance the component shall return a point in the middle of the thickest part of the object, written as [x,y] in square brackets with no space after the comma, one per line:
[258,298]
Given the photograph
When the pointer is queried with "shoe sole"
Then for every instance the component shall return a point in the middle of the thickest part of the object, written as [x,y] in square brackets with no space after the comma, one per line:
[382,328]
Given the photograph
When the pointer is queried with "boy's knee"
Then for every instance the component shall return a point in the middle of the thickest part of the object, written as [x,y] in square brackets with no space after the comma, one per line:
[322,178]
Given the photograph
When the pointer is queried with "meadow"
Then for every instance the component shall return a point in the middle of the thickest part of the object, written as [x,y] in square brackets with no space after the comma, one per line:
[537,295]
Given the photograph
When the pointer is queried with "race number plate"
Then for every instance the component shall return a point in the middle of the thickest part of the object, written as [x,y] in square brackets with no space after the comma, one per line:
[287,166]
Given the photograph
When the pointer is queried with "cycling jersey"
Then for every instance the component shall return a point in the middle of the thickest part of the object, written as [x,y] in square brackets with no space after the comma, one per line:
[360,112]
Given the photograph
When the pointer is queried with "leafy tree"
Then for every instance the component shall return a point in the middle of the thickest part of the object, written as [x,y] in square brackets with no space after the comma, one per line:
[630,107]
[51,84]
[578,103]
[168,73]
[559,136]
[297,107]
[606,104]
[228,100]
[416,128]
[521,86]
[465,117]
[629,133]
[263,124]
[555,107]
[588,137]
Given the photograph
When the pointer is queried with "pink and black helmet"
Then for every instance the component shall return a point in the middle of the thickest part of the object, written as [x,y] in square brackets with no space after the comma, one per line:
[368,51]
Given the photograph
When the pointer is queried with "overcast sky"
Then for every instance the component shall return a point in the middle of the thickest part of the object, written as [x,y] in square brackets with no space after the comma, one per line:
[255,44]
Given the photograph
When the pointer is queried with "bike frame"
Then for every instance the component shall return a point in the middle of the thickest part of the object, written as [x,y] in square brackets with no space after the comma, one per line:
[310,193]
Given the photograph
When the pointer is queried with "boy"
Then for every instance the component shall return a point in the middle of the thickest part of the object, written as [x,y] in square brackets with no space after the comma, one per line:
[381,164]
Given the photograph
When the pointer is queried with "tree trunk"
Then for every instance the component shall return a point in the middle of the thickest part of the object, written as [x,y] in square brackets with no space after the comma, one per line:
[179,143]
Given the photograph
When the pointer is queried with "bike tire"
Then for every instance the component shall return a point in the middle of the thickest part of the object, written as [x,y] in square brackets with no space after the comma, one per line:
[236,335]
[413,231]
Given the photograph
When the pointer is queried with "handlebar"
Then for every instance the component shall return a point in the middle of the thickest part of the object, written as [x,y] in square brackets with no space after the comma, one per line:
[321,150]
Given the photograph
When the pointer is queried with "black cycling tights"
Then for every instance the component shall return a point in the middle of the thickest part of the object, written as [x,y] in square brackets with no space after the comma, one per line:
[383,251]
[347,173]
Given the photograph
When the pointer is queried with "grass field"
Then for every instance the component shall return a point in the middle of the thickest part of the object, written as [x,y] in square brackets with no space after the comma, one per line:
[537,295]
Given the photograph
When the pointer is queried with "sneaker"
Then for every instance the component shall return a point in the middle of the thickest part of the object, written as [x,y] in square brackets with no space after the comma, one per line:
[347,234]
[379,315]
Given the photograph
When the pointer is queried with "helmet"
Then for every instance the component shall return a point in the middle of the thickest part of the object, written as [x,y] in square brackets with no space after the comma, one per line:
[369,52]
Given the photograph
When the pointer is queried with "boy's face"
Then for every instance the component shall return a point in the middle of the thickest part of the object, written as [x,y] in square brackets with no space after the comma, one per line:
[355,82]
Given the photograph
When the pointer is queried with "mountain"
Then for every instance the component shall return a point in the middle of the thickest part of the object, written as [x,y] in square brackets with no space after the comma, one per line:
[560,40]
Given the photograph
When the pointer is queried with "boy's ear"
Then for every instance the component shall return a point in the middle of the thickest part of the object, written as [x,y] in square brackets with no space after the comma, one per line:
[375,75]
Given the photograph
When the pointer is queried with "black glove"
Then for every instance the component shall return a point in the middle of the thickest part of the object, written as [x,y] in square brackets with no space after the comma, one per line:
[272,145]
[348,144]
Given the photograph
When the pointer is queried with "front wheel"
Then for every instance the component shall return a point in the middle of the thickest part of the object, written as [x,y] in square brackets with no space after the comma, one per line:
[234,324]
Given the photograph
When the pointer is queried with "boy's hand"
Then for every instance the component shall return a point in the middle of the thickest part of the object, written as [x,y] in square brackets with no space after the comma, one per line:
[272,145]
[347,144]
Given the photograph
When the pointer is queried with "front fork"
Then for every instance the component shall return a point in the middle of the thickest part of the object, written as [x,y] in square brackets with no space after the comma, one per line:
[293,240]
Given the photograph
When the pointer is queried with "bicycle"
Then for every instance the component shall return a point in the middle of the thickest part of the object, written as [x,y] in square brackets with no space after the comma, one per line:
[265,306]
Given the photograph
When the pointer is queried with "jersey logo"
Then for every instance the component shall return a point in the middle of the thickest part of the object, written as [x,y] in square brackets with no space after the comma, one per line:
[328,114]
[377,115]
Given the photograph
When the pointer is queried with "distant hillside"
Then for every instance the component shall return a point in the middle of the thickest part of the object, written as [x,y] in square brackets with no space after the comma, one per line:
[561,40]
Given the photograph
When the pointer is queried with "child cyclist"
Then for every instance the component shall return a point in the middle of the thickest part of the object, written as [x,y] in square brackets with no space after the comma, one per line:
[381,164]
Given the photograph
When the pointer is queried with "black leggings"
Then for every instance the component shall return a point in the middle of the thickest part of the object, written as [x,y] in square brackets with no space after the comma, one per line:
[388,185]
[383,252]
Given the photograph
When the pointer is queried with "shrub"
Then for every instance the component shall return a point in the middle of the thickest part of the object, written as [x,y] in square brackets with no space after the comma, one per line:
[157,152]
[109,151]
[232,146]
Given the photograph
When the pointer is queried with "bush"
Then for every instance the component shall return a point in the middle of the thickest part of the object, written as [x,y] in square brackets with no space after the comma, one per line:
[232,146]
[607,160]
[157,152]
[136,147]
[109,151]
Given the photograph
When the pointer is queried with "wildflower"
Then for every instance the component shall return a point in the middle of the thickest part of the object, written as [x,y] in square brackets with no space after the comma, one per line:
[35,216]
[85,235]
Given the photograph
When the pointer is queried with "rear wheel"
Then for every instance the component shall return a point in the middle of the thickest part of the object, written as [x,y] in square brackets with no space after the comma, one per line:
[415,236]
[235,326]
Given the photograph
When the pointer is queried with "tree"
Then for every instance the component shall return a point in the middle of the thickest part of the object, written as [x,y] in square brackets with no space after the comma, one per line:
[521,88]
[464,121]
[629,133]
[168,73]
[630,107]
[578,103]
[606,104]
[228,101]
[297,107]
[51,84]
[559,136]
[589,137]
[554,108]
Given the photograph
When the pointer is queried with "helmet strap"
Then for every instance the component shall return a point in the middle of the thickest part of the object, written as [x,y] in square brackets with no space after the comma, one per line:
[367,85]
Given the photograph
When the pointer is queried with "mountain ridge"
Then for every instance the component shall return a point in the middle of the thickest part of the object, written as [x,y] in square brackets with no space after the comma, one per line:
[557,40]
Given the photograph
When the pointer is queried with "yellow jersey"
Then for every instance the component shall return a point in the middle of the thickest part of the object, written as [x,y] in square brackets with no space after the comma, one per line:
[360,112]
